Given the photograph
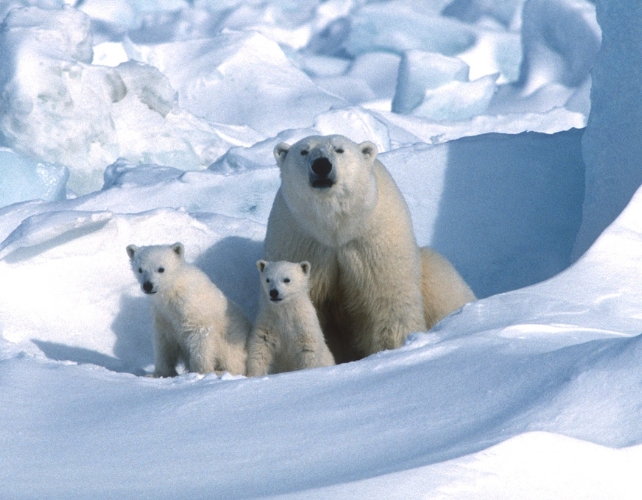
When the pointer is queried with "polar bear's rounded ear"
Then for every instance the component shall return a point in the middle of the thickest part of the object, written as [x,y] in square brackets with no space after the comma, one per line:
[260,264]
[368,150]
[178,249]
[305,267]
[131,250]
[280,152]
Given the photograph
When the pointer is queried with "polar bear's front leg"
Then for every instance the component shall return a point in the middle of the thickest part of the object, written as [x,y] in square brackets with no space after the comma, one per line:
[166,349]
[200,348]
[380,285]
[260,352]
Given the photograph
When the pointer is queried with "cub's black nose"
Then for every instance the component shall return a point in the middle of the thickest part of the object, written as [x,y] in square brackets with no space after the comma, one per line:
[322,167]
[147,287]
[274,294]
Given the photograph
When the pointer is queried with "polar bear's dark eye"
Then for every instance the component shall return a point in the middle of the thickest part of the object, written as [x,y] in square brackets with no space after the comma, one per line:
[286,280]
[267,280]
[339,150]
[304,152]
[161,269]
[140,270]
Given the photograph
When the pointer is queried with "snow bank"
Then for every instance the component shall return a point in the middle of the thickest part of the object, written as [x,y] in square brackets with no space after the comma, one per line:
[611,146]
[504,209]
[557,359]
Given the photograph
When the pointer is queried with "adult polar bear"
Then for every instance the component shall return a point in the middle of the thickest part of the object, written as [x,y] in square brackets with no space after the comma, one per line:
[339,208]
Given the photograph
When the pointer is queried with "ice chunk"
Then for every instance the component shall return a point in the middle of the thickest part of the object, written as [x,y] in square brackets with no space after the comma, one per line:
[495,52]
[379,70]
[47,228]
[419,71]
[319,65]
[149,21]
[353,90]
[260,155]
[457,101]
[23,178]
[371,76]
[560,42]
[507,12]
[118,12]
[356,124]
[561,39]
[57,107]
[124,173]
[436,87]
[397,26]
[240,79]
[110,54]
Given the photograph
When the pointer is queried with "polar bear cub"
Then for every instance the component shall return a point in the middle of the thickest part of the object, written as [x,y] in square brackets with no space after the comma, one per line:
[287,335]
[193,321]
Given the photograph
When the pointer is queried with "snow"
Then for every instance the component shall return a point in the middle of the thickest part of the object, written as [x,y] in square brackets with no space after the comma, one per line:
[611,146]
[154,122]
[23,178]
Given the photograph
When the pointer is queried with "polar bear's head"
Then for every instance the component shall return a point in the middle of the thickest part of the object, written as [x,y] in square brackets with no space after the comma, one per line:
[154,265]
[283,280]
[329,184]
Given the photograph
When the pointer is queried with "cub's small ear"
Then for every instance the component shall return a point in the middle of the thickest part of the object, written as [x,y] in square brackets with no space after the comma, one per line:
[178,249]
[305,266]
[368,150]
[280,152]
[260,264]
[131,250]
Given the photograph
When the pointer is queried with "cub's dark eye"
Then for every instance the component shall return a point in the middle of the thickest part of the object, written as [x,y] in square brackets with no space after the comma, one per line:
[339,150]
[161,269]
[304,152]
[286,280]
[267,280]
[140,270]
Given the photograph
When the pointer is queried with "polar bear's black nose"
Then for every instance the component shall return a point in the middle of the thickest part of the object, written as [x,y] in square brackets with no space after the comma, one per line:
[274,294]
[147,287]
[322,167]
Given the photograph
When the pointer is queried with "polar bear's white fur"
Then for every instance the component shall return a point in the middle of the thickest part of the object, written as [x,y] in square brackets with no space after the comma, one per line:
[193,321]
[442,287]
[287,335]
[339,208]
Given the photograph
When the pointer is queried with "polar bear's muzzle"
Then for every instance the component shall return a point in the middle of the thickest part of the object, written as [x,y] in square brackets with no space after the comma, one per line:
[148,287]
[321,173]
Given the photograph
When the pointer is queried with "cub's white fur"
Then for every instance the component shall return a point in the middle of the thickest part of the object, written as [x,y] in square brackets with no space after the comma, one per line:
[193,321]
[287,335]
